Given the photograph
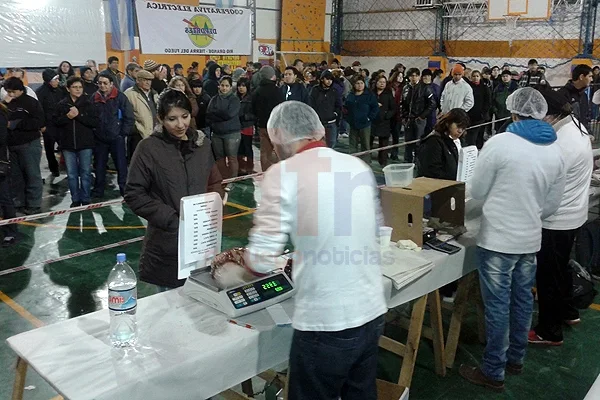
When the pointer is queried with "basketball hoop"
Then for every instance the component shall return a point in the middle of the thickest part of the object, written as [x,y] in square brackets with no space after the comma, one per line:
[511,21]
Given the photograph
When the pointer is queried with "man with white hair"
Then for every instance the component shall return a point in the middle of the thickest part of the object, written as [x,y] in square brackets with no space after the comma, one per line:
[520,176]
[327,203]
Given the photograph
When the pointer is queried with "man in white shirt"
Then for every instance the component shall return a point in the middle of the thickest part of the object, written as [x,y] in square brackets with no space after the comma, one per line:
[457,93]
[520,177]
[327,203]
[554,280]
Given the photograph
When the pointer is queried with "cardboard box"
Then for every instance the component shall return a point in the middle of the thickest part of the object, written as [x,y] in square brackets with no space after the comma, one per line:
[391,391]
[403,208]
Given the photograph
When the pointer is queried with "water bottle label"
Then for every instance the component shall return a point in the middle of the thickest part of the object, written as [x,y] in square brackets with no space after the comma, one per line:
[122,300]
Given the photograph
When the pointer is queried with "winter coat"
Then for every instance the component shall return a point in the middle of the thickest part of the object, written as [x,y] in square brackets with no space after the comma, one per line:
[457,95]
[77,133]
[580,102]
[89,88]
[326,103]
[481,106]
[49,98]
[202,102]
[247,118]
[499,97]
[127,82]
[338,86]
[162,171]
[418,101]
[25,119]
[296,91]
[397,89]
[532,79]
[223,114]
[361,110]
[211,83]
[264,99]
[115,115]
[116,77]
[437,157]
[144,117]
[158,85]
[381,125]
[4,153]
[437,94]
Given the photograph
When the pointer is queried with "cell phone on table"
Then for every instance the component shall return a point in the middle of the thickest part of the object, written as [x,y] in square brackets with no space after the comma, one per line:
[444,247]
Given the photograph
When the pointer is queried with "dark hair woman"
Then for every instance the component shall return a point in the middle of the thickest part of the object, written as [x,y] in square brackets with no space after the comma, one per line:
[247,121]
[438,155]
[381,127]
[64,71]
[181,84]
[174,162]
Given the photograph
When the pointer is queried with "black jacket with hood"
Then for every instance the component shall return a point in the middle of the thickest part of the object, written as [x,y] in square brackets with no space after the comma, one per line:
[326,102]
[247,118]
[418,101]
[25,119]
[579,101]
[202,102]
[49,97]
[481,103]
[381,126]
[264,100]
[437,157]
[296,91]
[211,83]
[77,133]
[162,171]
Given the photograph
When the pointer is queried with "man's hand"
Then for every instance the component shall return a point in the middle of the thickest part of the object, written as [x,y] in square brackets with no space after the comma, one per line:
[73,112]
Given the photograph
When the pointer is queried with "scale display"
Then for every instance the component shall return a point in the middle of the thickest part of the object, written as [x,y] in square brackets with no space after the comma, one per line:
[259,291]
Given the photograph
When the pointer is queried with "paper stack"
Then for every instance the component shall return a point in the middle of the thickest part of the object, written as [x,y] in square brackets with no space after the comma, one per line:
[403,266]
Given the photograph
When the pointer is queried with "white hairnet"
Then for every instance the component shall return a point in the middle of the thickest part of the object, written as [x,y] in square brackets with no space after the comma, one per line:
[527,102]
[292,121]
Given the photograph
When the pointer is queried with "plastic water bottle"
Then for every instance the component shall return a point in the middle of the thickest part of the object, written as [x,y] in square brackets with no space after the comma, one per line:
[122,303]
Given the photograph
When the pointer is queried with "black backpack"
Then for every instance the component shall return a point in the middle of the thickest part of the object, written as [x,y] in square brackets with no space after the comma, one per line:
[587,247]
[583,286]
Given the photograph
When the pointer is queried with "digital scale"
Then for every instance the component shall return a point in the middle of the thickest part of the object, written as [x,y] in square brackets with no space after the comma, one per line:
[239,300]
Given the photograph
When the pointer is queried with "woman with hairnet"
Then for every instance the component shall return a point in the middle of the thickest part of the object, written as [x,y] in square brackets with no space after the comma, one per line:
[327,203]
[520,176]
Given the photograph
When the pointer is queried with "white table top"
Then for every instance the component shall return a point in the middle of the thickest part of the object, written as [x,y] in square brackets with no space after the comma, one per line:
[188,350]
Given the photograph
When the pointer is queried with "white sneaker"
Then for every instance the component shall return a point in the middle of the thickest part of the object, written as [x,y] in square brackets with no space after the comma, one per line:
[344,135]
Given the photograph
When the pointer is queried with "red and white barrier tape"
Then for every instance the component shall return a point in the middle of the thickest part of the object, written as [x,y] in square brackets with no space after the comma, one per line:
[225,182]
[72,255]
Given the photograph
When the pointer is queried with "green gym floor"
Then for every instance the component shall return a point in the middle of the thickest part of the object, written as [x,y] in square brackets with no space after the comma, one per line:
[47,293]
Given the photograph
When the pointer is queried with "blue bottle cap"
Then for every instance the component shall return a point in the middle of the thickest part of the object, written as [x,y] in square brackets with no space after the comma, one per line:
[121,257]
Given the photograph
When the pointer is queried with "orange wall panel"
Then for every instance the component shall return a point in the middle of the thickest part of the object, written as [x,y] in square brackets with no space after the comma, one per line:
[302,25]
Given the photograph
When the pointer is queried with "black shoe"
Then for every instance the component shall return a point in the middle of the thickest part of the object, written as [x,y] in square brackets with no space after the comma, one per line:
[514,369]
[75,204]
[31,210]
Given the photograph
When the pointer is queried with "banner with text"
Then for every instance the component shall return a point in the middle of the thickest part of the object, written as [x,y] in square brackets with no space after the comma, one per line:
[182,29]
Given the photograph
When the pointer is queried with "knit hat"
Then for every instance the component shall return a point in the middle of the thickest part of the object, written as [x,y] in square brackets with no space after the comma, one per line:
[237,74]
[145,74]
[151,65]
[49,74]
[267,72]
[82,70]
[458,69]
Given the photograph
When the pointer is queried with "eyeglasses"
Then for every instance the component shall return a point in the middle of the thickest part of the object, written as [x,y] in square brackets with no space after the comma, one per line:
[103,83]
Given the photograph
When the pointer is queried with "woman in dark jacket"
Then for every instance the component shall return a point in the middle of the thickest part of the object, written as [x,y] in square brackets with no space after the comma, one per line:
[64,72]
[437,156]
[76,119]
[223,117]
[202,100]
[6,201]
[174,162]
[211,83]
[480,111]
[381,127]
[247,121]
[361,109]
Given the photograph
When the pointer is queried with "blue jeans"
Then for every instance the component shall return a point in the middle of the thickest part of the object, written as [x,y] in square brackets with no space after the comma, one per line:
[79,172]
[331,133]
[117,151]
[506,283]
[330,365]
[26,174]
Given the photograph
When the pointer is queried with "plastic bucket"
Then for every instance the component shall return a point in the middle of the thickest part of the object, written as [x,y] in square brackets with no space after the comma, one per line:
[399,175]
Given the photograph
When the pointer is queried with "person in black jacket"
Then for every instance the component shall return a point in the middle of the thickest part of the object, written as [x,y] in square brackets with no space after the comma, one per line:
[223,117]
[25,120]
[575,91]
[247,121]
[115,122]
[77,119]
[480,111]
[264,99]
[211,83]
[89,86]
[202,99]
[293,87]
[326,102]
[381,127]
[49,95]
[9,232]
[418,102]
[437,157]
